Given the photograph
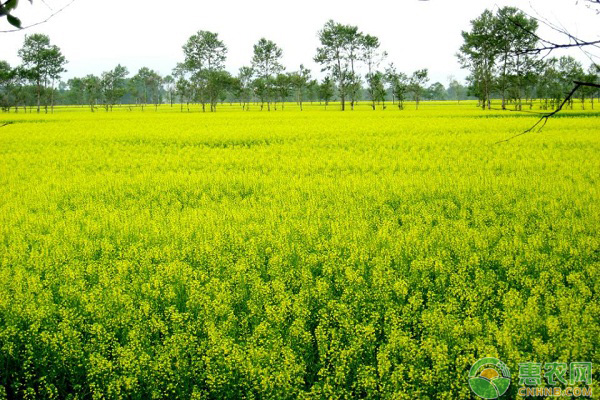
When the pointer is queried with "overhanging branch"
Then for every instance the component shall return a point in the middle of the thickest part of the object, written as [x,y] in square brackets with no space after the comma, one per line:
[544,118]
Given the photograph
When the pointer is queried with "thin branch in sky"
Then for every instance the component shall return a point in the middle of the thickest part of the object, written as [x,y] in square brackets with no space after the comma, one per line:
[46,4]
[549,46]
[40,22]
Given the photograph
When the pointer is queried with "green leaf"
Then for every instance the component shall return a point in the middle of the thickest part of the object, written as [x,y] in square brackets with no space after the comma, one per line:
[14,21]
[11,4]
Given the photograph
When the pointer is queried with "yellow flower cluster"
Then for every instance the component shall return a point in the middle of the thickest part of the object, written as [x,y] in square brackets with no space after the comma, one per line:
[314,254]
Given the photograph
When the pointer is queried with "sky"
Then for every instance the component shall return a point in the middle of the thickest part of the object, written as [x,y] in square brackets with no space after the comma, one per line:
[95,36]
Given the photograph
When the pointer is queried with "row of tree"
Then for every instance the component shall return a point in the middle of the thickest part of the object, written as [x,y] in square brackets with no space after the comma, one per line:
[501,55]
[202,78]
[496,51]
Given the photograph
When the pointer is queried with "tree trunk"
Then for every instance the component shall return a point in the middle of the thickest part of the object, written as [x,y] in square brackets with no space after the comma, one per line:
[504,82]
[39,89]
[52,97]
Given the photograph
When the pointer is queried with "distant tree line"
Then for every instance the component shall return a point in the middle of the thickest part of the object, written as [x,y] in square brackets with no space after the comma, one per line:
[351,59]
[500,53]
[494,51]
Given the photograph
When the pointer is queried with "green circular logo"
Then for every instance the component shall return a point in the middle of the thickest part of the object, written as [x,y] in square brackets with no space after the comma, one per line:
[489,378]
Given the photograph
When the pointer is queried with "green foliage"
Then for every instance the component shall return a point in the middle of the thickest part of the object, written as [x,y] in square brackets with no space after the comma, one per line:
[496,52]
[205,56]
[114,85]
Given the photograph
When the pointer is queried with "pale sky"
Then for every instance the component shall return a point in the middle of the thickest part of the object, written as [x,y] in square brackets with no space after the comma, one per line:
[97,35]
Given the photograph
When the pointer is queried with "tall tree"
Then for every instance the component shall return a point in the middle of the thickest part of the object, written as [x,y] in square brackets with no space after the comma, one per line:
[262,90]
[217,82]
[154,83]
[338,54]
[205,56]
[169,82]
[398,83]
[512,30]
[569,70]
[593,76]
[183,89]
[6,80]
[372,57]
[92,89]
[418,80]
[244,79]
[266,63]
[376,88]
[299,81]
[145,86]
[282,86]
[113,85]
[44,62]
[18,87]
[478,54]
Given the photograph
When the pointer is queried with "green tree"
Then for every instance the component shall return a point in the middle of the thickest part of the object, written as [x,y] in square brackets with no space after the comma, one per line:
[76,91]
[593,76]
[338,54]
[299,81]
[326,90]
[266,63]
[113,85]
[217,83]
[183,89]
[19,90]
[372,58]
[205,56]
[262,90]
[244,91]
[398,83]
[455,89]
[145,86]
[478,54]
[436,91]
[169,82]
[92,89]
[44,62]
[312,90]
[418,80]
[6,81]
[569,70]
[512,30]
[376,88]
[154,83]
[282,86]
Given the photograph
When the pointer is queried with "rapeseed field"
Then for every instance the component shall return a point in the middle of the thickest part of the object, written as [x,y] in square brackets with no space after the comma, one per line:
[287,254]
